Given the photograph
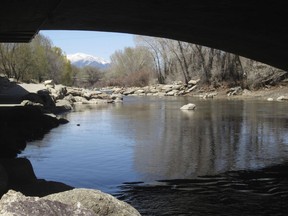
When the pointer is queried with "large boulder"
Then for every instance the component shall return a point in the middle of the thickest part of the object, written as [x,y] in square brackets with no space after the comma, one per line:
[100,203]
[61,91]
[63,106]
[14,203]
[74,91]
[49,83]
[81,100]
[172,93]
[234,91]
[129,91]
[139,92]
[282,98]
[189,106]
[118,98]
[166,88]
[193,82]
[18,174]
[103,96]
[74,202]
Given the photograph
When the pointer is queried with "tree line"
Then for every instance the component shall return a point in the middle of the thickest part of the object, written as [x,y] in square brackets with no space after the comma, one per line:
[39,60]
[153,60]
[160,60]
[36,61]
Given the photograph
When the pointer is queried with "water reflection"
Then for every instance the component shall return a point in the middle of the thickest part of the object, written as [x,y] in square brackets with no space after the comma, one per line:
[219,136]
[153,139]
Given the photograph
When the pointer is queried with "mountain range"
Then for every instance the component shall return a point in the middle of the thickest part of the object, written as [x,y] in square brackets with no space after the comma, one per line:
[82,60]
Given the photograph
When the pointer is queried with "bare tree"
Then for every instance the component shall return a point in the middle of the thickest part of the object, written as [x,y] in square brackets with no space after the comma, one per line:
[206,59]
[174,58]
[183,53]
[131,63]
[93,75]
[163,61]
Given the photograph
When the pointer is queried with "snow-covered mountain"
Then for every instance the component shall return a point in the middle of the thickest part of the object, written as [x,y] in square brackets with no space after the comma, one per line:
[82,60]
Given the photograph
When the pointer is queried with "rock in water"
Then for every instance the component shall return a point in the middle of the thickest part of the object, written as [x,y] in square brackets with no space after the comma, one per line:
[189,106]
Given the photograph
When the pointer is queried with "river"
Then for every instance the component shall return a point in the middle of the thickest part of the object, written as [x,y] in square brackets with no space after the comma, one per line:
[227,157]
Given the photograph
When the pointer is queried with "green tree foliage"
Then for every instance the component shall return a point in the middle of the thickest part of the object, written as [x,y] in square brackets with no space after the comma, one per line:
[35,61]
[68,74]
[15,60]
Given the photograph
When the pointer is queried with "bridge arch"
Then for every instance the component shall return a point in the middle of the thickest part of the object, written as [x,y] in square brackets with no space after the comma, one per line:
[253,29]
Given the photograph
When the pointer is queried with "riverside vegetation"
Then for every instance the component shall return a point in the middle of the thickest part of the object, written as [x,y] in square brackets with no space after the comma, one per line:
[152,61]
[155,66]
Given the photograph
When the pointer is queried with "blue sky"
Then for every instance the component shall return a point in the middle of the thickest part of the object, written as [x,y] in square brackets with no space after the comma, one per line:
[101,44]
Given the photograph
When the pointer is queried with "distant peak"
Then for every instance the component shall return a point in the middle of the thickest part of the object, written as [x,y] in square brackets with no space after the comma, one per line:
[88,57]
[83,59]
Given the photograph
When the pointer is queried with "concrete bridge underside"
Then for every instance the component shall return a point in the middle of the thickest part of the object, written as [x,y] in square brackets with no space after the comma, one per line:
[254,29]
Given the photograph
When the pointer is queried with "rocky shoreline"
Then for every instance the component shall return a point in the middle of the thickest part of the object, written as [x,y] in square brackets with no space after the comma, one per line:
[58,98]
[270,93]
[52,98]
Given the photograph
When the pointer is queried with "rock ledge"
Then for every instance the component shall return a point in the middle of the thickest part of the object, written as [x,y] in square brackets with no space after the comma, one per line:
[74,202]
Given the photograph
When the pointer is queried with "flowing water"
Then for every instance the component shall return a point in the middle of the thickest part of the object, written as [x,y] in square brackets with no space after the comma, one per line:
[228,157]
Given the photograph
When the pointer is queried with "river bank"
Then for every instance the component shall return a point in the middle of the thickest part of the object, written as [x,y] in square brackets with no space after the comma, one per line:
[278,92]
[58,98]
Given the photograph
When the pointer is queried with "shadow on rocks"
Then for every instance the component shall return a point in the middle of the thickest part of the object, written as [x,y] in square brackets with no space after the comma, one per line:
[18,174]
[21,124]
[24,194]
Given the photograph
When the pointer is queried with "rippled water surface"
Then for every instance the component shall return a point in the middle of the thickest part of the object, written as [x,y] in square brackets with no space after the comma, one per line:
[228,157]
